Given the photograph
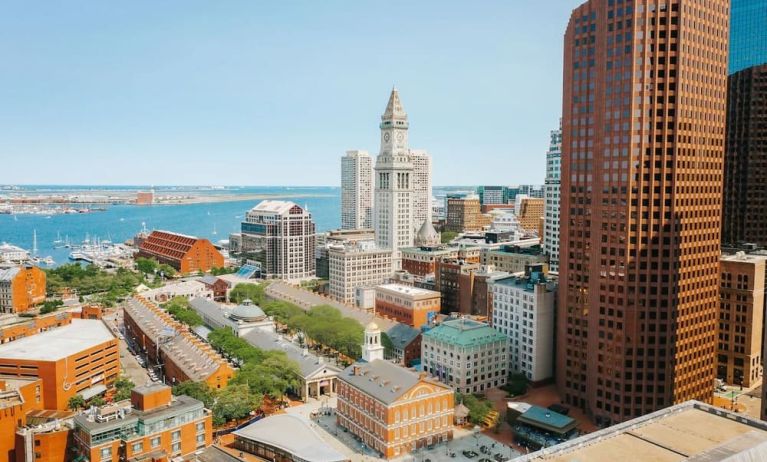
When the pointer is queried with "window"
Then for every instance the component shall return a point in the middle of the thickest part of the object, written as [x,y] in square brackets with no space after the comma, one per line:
[155,441]
[106,454]
[137,447]
[176,447]
[176,436]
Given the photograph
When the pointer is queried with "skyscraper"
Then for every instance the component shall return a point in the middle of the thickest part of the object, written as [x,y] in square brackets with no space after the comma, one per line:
[550,240]
[394,172]
[356,190]
[421,187]
[745,166]
[643,123]
[748,34]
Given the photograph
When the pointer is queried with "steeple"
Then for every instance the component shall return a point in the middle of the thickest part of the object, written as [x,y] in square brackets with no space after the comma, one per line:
[394,111]
[372,348]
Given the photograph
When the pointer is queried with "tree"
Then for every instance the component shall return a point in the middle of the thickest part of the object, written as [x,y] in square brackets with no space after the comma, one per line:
[246,291]
[167,270]
[146,265]
[50,306]
[179,308]
[76,402]
[123,385]
[97,400]
[226,270]
[478,406]
[235,403]
[448,236]
[197,390]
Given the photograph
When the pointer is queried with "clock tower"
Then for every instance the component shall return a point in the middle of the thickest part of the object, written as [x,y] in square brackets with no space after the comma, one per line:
[394,182]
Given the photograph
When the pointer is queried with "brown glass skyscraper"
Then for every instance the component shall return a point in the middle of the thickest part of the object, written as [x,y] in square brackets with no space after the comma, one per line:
[642,162]
[745,167]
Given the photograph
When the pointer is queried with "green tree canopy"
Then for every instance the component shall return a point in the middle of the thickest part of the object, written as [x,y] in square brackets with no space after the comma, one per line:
[123,385]
[197,390]
[246,291]
[179,308]
[447,236]
[235,403]
[146,265]
[76,402]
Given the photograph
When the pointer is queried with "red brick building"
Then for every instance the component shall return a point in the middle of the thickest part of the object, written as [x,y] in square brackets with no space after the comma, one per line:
[186,254]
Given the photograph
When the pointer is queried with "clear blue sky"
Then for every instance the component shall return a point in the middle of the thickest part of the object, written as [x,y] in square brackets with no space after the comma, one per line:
[273,93]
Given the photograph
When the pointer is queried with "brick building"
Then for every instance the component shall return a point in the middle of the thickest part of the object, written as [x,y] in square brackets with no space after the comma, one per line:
[393,410]
[422,261]
[18,395]
[464,214]
[408,305]
[21,288]
[166,342]
[741,319]
[187,254]
[530,213]
[153,425]
[80,358]
[513,258]
[643,131]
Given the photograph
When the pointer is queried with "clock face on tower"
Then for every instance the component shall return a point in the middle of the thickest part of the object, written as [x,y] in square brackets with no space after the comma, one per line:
[386,137]
[400,136]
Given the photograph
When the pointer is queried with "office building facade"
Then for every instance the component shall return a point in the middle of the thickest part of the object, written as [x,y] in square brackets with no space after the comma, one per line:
[356,190]
[643,124]
[748,34]
[744,217]
[550,238]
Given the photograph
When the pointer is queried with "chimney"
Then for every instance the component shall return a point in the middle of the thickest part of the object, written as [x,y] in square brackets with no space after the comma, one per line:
[356,370]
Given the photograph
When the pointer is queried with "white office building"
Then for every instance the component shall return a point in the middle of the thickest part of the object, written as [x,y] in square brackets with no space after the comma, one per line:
[356,265]
[421,187]
[356,190]
[524,310]
[550,242]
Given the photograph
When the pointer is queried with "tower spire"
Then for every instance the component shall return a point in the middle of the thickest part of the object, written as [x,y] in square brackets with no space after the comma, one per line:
[394,109]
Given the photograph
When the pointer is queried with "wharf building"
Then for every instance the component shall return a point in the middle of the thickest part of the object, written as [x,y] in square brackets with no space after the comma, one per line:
[318,378]
[741,319]
[393,410]
[748,34]
[186,254]
[80,358]
[171,348]
[408,305]
[280,237]
[21,288]
[550,238]
[643,131]
[524,308]
[152,426]
[356,265]
[744,218]
[356,190]
[467,355]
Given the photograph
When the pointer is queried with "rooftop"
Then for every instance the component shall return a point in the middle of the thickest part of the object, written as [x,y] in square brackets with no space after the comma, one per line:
[546,419]
[196,358]
[60,342]
[178,405]
[381,379]
[280,207]
[414,292]
[292,434]
[309,363]
[465,332]
[8,274]
[687,431]
[744,257]
[401,335]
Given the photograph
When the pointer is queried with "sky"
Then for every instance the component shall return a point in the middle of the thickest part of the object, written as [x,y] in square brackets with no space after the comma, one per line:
[273,93]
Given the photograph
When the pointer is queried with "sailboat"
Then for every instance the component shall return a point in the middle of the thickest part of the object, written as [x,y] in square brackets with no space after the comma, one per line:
[214,229]
[58,242]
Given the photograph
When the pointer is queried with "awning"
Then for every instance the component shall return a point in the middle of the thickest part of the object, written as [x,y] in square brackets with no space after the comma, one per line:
[89,393]
[201,331]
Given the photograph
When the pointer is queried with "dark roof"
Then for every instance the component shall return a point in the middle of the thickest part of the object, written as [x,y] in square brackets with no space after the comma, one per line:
[382,380]
[208,279]
[547,419]
[401,335]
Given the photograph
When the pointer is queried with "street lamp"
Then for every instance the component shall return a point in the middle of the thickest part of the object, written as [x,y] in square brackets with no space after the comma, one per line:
[476,435]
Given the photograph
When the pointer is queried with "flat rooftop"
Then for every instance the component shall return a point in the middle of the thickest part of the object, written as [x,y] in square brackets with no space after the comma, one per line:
[688,431]
[60,342]
[415,292]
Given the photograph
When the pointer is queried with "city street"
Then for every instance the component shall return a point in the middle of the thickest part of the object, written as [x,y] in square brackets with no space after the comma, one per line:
[128,364]
[306,300]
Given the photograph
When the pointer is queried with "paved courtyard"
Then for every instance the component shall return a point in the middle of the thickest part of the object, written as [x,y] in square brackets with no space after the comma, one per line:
[346,443]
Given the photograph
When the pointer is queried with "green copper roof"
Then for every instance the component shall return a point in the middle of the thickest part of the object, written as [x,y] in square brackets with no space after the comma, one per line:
[465,332]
